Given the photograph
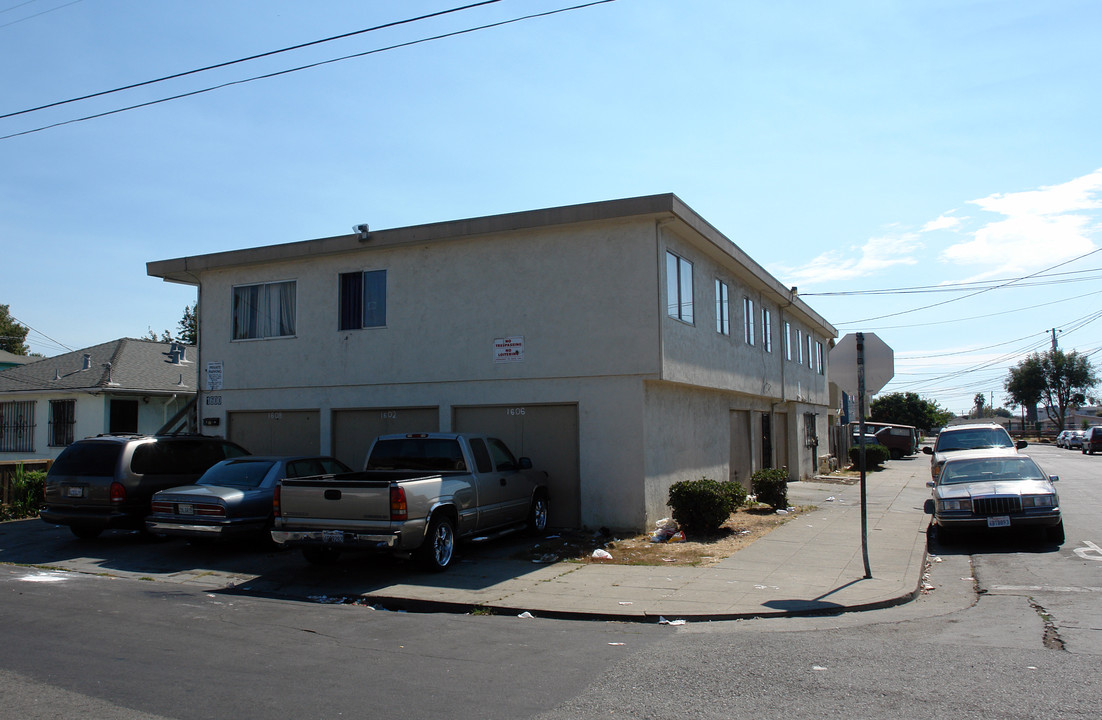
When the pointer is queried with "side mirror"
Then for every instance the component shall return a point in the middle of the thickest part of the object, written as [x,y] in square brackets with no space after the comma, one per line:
[525,463]
[928,507]
[1053,478]
[930,484]
[1020,444]
[928,450]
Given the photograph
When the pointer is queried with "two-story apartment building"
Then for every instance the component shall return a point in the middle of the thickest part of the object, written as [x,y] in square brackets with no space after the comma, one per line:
[622,345]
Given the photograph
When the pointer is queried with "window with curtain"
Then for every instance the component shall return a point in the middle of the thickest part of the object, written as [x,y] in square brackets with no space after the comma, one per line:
[264,310]
[362,300]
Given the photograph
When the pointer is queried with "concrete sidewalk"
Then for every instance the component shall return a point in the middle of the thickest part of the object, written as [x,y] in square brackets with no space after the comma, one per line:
[812,564]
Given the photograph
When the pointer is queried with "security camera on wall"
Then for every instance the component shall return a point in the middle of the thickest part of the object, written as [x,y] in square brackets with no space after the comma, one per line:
[362,230]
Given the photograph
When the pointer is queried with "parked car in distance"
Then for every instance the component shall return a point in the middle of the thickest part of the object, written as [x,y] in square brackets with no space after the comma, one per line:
[107,481]
[1062,438]
[978,436]
[1075,439]
[1092,440]
[232,498]
[979,489]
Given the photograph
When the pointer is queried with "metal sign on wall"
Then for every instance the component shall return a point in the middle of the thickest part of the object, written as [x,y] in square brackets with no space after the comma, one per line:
[509,349]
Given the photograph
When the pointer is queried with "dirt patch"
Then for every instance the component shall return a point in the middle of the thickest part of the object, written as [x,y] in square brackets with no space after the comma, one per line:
[743,527]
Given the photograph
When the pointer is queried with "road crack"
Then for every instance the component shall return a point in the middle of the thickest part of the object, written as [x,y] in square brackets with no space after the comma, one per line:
[1051,637]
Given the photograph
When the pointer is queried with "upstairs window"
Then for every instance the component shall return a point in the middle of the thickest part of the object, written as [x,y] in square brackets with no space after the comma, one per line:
[748,312]
[723,309]
[264,310]
[788,341]
[363,300]
[679,288]
[766,330]
[799,346]
[819,358]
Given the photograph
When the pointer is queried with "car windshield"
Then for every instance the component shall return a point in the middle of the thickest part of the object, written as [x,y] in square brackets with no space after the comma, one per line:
[985,469]
[237,473]
[974,439]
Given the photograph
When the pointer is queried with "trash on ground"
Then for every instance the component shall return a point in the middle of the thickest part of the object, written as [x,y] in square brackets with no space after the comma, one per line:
[526,615]
[664,621]
[602,554]
[831,499]
[616,643]
[664,529]
[677,537]
[782,512]
[625,602]
[546,559]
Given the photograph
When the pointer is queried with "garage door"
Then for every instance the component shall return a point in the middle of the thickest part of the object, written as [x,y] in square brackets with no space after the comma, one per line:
[742,460]
[546,433]
[355,429]
[276,432]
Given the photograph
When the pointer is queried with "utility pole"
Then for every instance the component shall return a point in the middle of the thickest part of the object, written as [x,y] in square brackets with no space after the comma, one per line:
[1054,348]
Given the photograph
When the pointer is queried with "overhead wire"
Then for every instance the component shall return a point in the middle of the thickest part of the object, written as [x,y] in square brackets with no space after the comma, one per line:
[309,66]
[257,56]
[39,14]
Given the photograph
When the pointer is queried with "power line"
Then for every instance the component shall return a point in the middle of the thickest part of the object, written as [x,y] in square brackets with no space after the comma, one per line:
[958,287]
[309,66]
[247,59]
[31,17]
[974,294]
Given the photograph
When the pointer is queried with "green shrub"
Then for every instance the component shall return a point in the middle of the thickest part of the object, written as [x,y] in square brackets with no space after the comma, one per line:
[702,506]
[875,456]
[26,493]
[771,487]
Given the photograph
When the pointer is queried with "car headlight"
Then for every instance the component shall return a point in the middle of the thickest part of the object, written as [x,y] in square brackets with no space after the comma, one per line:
[954,505]
[1038,501]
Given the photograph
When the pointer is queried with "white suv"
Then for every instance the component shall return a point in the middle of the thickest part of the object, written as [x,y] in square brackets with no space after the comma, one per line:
[987,436]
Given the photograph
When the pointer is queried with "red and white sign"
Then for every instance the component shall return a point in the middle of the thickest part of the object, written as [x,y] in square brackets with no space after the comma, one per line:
[509,349]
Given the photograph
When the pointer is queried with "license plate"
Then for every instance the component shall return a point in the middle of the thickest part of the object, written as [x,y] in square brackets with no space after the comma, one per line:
[185,509]
[332,536]
[76,492]
[999,521]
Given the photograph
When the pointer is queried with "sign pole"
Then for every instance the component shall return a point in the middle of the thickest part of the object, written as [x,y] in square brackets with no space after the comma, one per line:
[861,415]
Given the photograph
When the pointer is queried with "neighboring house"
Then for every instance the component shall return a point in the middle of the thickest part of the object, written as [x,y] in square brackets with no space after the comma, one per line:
[125,386]
[10,360]
[622,345]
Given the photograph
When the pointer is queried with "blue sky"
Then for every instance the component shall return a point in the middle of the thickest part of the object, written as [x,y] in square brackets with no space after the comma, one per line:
[846,146]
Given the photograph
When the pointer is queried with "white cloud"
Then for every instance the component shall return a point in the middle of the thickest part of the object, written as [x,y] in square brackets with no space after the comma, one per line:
[875,255]
[1039,228]
[944,222]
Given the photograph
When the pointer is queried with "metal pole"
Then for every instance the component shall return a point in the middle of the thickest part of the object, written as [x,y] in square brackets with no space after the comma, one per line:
[861,414]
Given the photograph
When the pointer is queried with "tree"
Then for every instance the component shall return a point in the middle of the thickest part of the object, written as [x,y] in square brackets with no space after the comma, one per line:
[908,409]
[13,336]
[979,401]
[189,325]
[1057,379]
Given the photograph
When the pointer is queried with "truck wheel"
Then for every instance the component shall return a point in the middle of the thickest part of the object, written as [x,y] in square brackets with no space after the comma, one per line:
[86,532]
[437,551]
[320,554]
[537,515]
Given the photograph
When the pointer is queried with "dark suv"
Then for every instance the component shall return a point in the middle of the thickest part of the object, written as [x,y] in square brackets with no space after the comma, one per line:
[107,481]
[1092,440]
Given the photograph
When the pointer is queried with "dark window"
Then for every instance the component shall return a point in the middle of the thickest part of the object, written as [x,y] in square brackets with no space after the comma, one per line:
[503,459]
[88,459]
[62,421]
[436,454]
[363,300]
[180,457]
[124,416]
[481,456]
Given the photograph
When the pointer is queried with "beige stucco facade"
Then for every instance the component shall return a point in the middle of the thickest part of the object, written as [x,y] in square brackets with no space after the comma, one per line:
[583,289]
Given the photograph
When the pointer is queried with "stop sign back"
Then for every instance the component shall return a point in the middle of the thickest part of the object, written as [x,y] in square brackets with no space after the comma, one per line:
[879,363]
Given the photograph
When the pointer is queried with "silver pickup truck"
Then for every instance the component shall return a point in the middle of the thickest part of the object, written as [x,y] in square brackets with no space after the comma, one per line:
[417,495]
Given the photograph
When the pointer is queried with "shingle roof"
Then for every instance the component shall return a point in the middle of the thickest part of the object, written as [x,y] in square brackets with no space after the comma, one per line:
[135,365]
[13,359]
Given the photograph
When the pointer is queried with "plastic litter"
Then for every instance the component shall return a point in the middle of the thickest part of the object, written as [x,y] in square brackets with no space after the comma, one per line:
[664,621]
[677,537]
[526,615]
[782,512]
[616,643]
[602,554]
[664,529]
[625,602]
[831,499]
